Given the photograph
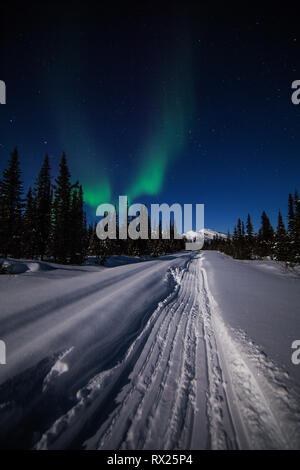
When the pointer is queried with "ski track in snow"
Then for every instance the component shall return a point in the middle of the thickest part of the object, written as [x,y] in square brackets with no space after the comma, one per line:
[187,381]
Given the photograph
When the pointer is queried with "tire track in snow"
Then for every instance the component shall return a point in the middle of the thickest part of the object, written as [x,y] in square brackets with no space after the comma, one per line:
[139,416]
[93,395]
[171,406]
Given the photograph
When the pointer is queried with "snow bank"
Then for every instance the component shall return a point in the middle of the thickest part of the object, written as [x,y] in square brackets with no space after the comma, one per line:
[13,266]
[116,260]
[262,298]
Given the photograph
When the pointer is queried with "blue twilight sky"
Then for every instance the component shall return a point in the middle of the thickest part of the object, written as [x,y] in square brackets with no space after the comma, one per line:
[166,104]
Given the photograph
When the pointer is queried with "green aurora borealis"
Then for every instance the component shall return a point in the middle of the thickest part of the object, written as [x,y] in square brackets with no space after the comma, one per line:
[176,105]
[171,105]
[180,102]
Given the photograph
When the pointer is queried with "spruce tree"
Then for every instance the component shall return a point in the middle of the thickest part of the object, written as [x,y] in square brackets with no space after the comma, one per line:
[29,239]
[265,237]
[78,226]
[239,228]
[95,244]
[243,230]
[291,227]
[11,205]
[43,208]
[61,216]
[249,228]
[249,238]
[239,240]
[89,239]
[281,238]
[296,228]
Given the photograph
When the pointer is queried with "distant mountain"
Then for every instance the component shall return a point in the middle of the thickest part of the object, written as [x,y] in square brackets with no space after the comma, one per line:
[208,234]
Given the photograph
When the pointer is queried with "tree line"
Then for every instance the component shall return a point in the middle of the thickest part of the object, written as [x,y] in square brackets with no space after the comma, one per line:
[282,244]
[50,221]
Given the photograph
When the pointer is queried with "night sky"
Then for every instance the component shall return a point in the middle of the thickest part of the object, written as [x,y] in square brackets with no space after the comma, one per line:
[178,102]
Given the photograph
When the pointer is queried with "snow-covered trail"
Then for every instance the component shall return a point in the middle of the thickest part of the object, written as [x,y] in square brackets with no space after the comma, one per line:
[142,359]
[161,402]
[103,307]
[185,383]
[61,330]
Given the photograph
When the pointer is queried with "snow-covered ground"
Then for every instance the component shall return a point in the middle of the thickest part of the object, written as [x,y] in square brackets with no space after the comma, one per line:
[188,351]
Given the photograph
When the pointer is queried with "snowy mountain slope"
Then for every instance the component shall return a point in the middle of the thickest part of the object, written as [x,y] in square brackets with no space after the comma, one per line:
[207,233]
[161,354]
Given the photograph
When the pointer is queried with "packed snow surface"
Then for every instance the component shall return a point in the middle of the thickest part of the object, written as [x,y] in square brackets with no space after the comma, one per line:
[187,351]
